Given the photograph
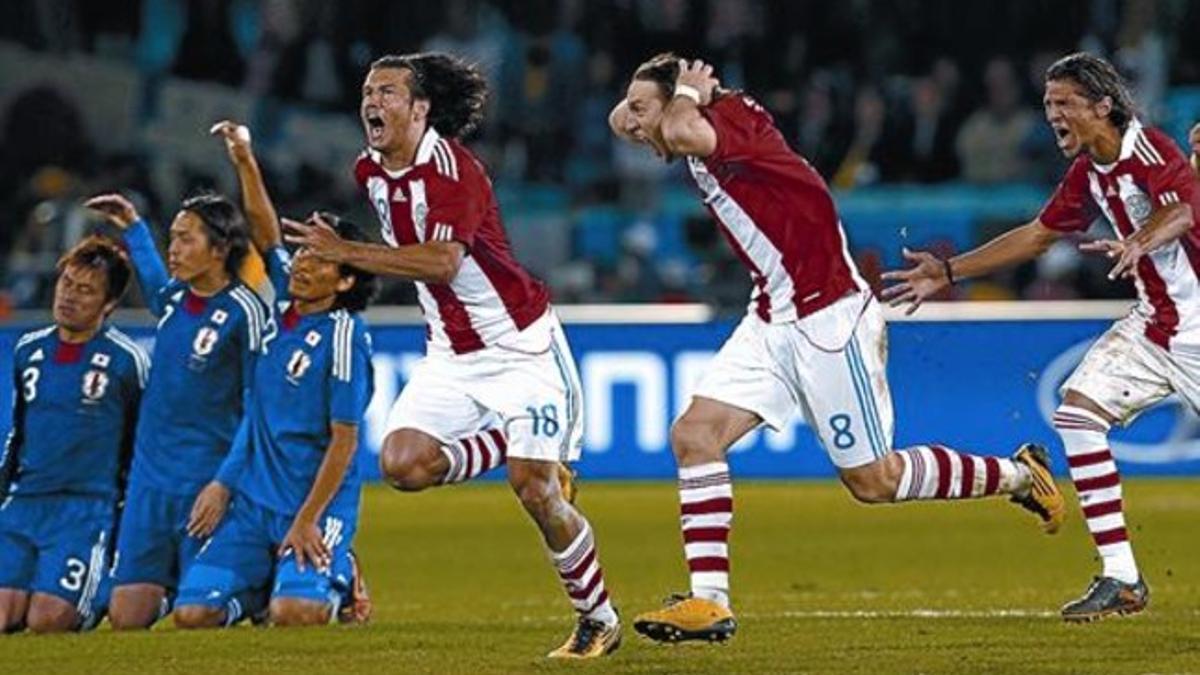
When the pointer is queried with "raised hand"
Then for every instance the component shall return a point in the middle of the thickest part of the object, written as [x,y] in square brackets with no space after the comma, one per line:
[699,76]
[237,140]
[115,208]
[915,285]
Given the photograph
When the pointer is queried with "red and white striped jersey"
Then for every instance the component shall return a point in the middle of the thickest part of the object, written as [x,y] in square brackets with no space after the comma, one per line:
[1150,172]
[446,196]
[776,212]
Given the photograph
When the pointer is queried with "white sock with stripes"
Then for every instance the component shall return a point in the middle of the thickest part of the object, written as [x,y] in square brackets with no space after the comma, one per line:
[1098,484]
[706,516]
[579,569]
[937,472]
[472,456]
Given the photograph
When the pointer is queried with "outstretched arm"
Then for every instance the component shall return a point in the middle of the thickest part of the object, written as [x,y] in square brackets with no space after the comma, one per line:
[151,272]
[930,275]
[256,201]
[433,262]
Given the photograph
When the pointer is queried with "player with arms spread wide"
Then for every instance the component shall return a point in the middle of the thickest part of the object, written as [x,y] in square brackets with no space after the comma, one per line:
[76,389]
[498,380]
[1142,184]
[813,340]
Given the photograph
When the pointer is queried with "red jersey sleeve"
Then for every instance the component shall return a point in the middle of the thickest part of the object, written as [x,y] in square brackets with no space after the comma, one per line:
[362,170]
[456,208]
[1172,181]
[744,129]
[1071,207]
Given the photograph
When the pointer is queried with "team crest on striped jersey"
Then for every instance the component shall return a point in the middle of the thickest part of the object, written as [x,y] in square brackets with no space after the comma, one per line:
[1138,206]
[100,360]
[219,317]
[312,339]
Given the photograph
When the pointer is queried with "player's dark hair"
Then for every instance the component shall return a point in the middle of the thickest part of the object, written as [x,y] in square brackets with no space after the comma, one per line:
[456,90]
[661,69]
[358,296]
[1097,78]
[224,224]
[98,252]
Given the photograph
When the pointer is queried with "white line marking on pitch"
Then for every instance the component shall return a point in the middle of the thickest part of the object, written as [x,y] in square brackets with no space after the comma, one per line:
[908,614]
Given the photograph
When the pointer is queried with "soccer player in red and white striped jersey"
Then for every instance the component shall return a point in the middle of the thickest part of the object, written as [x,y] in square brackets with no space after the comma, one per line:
[497,359]
[813,341]
[1142,184]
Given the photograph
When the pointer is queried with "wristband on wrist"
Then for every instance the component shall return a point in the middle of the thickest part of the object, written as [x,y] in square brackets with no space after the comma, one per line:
[688,91]
[949,272]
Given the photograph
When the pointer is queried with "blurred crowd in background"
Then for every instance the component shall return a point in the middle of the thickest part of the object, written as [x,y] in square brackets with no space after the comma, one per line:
[923,115]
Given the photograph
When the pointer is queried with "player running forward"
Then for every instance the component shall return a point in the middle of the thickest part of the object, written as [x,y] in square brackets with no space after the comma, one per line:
[210,328]
[497,359]
[76,389]
[1140,181]
[294,465]
[813,340]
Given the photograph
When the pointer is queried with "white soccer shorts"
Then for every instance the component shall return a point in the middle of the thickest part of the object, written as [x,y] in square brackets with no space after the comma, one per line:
[1125,373]
[528,385]
[830,365]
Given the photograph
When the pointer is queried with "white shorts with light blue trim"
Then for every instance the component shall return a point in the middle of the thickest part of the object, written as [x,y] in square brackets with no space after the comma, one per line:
[831,366]
[528,386]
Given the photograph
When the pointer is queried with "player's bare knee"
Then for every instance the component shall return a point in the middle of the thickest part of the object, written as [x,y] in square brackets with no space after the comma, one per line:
[124,617]
[693,441]
[406,468]
[51,618]
[286,612]
[198,616]
[873,483]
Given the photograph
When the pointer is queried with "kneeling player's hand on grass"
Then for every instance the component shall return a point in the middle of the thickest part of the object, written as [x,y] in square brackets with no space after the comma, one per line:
[115,208]
[918,283]
[208,510]
[304,540]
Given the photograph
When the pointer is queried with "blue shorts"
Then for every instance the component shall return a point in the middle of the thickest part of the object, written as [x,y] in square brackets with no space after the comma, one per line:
[56,544]
[240,557]
[153,546]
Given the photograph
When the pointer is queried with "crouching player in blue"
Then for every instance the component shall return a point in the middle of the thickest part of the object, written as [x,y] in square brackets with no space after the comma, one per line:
[287,536]
[210,329]
[77,386]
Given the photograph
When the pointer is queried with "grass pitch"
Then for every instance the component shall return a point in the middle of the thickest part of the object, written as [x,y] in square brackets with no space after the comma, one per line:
[461,585]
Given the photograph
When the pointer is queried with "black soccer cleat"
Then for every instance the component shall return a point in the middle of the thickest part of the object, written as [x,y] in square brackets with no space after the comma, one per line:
[1105,597]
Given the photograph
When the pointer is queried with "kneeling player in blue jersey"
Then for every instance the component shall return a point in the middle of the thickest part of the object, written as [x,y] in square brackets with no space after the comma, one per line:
[296,480]
[77,385]
[210,330]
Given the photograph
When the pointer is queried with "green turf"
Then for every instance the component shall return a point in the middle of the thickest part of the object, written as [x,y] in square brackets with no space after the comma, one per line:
[461,584]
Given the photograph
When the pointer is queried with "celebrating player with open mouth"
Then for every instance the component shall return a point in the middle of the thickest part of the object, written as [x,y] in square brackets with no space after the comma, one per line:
[813,340]
[76,389]
[1141,182]
[498,380]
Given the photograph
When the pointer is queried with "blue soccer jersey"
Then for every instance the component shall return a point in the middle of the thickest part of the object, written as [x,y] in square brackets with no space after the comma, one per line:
[314,370]
[204,354]
[74,410]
